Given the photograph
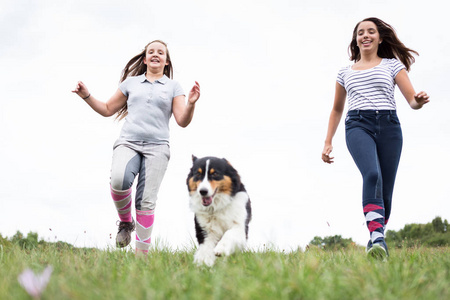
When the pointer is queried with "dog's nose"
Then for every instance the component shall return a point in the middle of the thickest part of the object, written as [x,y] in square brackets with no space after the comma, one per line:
[203,192]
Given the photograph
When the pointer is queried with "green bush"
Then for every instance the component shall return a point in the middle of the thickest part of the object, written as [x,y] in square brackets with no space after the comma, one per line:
[28,243]
[332,242]
[434,234]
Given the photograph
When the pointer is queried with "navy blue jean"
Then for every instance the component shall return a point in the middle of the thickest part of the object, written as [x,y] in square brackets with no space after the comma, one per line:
[374,139]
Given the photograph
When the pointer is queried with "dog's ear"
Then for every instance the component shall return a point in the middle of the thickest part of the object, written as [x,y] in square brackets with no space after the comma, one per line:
[227,162]
[235,177]
[194,158]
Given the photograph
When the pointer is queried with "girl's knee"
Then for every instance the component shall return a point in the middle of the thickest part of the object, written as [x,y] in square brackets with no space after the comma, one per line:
[372,177]
[120,184]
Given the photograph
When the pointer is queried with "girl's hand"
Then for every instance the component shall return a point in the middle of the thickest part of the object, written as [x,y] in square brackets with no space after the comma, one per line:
[194,94]
[421,99]
[81,90]
[326,154]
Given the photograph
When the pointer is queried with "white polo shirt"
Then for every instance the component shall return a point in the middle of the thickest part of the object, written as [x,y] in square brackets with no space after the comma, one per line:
[149,108]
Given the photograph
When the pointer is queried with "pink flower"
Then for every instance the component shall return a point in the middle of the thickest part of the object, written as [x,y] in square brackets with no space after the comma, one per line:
[33,283]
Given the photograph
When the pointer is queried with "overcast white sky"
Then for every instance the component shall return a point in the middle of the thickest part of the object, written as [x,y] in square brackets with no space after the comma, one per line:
[267,70]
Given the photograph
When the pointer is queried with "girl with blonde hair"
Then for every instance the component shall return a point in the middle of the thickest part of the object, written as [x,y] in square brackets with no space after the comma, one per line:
[147,97]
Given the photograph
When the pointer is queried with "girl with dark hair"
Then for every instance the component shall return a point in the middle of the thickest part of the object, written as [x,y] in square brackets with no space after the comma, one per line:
[373,132]
[148,97]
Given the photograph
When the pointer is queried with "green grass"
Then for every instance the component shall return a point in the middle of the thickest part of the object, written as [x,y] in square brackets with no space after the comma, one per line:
[419,273]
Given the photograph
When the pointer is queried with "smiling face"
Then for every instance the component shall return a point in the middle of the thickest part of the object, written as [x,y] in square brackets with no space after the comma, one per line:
[367,36]
[156,56]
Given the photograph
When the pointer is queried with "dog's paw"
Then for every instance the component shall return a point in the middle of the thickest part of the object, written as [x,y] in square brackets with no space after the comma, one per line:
[224,248]
[204,258]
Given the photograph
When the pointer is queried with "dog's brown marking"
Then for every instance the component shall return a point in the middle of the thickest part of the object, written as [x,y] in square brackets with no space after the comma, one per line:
[214,185]
[200,170]
[212,171]
[223,186]
[192,185]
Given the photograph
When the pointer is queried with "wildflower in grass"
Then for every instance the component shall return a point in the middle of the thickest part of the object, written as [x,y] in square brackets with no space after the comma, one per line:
[33,283]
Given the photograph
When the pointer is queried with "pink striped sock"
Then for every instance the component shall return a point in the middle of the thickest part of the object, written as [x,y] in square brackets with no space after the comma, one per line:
[144,226]
[122,201]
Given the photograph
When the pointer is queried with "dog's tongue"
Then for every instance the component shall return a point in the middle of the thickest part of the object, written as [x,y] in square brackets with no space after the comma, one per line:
[206,201]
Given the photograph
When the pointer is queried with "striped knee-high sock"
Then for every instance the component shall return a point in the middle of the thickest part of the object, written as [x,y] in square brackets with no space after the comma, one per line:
[144,226]
[122,200]
[374,213]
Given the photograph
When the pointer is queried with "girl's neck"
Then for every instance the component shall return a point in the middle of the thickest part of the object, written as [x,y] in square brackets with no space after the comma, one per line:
[367,62]
[153,75]
[369,58]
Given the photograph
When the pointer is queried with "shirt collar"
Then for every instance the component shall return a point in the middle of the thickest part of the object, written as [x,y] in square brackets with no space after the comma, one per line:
[162,80]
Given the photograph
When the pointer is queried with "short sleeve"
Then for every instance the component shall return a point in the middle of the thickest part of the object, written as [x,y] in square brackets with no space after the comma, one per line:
[177,89]
[396,67]
[340,77]
[124,87]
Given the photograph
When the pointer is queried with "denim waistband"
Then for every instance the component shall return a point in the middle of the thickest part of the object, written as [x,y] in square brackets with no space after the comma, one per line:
[371,112]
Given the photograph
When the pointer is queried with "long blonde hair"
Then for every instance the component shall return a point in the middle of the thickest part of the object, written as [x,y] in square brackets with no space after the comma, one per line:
[136,67]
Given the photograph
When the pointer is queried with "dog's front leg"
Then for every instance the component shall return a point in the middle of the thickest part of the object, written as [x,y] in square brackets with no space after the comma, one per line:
[205,253]
[233,240]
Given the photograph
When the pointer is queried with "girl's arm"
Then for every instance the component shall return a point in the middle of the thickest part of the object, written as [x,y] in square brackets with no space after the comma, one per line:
[106,109]
[416,101]
[183,112]
[335,118]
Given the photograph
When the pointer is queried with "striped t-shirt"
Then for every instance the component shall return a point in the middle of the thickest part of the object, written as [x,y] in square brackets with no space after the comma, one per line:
[372,88]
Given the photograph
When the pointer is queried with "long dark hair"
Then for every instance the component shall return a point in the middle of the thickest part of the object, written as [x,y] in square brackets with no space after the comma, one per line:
[391,46]
[136,67]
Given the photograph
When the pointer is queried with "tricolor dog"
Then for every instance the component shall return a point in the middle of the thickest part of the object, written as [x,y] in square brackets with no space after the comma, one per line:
[221,207]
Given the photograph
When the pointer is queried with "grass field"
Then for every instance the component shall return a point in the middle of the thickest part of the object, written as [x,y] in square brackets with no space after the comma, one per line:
[419,273]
